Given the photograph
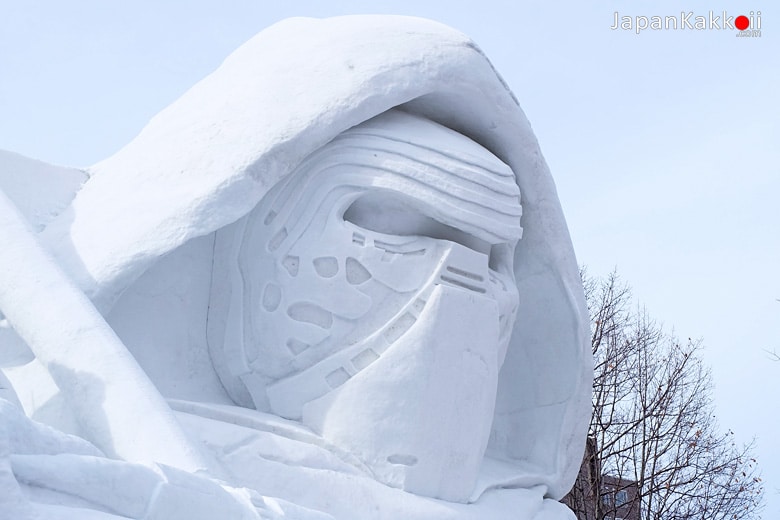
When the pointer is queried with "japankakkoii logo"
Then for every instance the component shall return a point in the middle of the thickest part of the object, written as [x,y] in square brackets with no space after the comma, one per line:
[745,25]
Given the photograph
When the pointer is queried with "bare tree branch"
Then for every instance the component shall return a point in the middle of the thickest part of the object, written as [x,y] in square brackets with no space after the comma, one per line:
[653,432]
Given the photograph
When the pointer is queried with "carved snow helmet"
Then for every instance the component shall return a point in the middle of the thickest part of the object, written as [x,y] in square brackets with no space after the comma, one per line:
[345,251]
[391,246]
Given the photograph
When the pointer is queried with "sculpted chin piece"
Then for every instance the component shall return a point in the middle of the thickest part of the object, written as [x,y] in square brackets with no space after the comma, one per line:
[334,283]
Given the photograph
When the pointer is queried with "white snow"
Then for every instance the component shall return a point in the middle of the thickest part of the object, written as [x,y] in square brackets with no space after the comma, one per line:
[21,180]
[138,240]
[98,376]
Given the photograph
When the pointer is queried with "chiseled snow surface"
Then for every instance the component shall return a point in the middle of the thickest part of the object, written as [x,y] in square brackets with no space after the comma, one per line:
[287,460]
[39,191]
[200,165]
[21,180]
[209,158]
[96,374]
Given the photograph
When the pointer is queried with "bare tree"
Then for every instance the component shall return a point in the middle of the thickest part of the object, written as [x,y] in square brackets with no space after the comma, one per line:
[658,453]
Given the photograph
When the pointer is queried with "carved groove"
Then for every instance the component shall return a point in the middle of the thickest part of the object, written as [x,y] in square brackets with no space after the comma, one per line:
[337,378]
[311,313]
[466,274]
[464,285]
[404,460]
[296,346]
[356,272]
[277,240]
[272,295]
[401,325]
[364,359]
[326,266]
[291,264]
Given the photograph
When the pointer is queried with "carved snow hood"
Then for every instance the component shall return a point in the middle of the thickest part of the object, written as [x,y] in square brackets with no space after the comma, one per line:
[208,158]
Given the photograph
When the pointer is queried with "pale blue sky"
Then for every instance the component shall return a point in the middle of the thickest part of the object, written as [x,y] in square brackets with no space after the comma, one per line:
[665,146]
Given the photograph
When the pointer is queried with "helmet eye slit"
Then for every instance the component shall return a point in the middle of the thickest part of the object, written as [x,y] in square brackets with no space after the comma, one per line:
[394,214]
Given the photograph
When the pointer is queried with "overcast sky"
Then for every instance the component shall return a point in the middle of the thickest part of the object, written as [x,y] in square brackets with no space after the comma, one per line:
[664,145]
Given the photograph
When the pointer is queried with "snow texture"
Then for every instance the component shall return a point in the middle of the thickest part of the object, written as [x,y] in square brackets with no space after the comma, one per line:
[146,283]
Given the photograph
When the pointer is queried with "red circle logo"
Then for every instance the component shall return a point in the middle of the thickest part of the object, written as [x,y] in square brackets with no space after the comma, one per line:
[741,22]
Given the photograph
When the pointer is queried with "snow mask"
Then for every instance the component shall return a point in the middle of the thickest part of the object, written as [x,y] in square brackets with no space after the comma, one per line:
[371,294]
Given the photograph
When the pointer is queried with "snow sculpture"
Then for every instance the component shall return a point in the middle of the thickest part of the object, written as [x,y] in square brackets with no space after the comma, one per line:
[367,307]
[316,258]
